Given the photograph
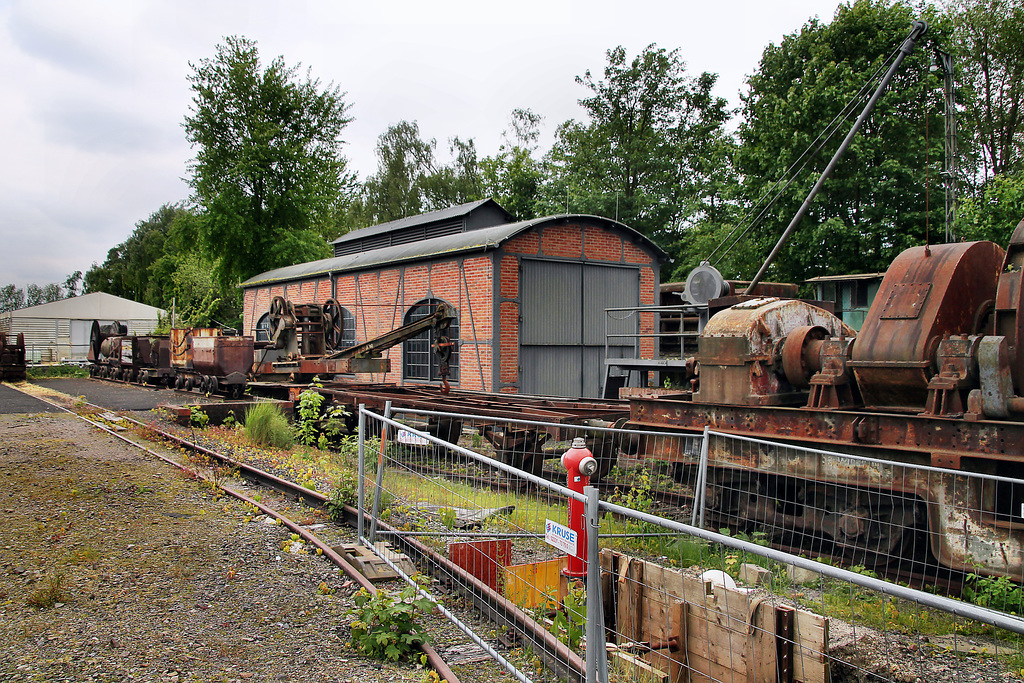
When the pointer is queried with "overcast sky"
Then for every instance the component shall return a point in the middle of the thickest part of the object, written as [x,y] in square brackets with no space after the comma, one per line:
[93,93]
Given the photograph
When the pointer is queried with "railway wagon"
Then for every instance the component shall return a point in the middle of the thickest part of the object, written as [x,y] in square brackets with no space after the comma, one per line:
[196,358]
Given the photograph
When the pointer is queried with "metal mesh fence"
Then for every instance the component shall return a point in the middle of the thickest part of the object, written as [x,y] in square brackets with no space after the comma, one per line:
[718,558]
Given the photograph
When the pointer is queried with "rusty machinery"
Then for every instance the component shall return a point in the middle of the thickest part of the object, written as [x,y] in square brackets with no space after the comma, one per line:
[495,418]
[933,377]
[12,357]
[306,341]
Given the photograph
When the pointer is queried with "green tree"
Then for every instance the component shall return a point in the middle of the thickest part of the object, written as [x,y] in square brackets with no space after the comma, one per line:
[47,294]
[11,298]
[139,268]
[404,158]
[513,177]
[268,167]
[410,180]
[994,212]
[72,283]
[876,202]
[988,45]
[641,154]
[455,183]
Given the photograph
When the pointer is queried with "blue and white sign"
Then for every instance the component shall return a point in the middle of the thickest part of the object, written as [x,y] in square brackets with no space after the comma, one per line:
[411,439]
[561,537]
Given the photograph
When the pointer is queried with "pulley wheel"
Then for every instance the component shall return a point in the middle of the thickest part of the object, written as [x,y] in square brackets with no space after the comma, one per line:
[278,308]
[796,363]
[332,324]
[705,283]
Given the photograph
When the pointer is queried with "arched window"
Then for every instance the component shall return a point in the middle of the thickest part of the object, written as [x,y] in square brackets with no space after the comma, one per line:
[348,328]
[418,358]
[263,330]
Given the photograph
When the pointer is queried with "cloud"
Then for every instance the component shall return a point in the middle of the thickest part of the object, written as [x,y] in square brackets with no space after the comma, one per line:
[91,127]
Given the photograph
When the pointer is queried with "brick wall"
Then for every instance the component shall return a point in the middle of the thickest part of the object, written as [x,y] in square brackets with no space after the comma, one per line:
[380,299]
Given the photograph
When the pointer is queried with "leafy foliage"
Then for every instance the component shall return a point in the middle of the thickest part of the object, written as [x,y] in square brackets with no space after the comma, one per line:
[999,593]
[268,169]
[994,212]
[316,425]
[988,44]
[570,622]
[410,180]
[384,625]
[874,205]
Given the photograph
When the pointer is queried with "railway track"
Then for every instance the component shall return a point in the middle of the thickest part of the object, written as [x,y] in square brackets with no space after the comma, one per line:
[265,479]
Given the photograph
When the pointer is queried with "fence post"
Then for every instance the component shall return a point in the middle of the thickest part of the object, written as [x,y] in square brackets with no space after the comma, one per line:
[697,514]
[380,474]
[597,654]
[362,470]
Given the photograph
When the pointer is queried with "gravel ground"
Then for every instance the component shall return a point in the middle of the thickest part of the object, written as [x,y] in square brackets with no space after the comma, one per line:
[154,577]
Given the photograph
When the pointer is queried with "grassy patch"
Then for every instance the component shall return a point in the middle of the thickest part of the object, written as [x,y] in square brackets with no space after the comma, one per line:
[52,591]
[266,425]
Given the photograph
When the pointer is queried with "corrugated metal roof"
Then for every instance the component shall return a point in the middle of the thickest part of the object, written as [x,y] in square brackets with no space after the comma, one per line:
[483,239]
[95,306]
[418,219]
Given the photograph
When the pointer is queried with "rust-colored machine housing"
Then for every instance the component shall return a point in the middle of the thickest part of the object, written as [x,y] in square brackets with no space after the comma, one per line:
[740,354]
[928,294]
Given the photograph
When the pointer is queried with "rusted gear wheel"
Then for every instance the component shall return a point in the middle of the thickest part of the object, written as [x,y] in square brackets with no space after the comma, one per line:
[279,307]
[332,324]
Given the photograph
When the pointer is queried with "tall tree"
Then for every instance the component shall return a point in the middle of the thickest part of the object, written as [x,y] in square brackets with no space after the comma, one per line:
[877,200]
[71,284]
[403,159]
[410,180]
[47,294]
[131,269]
[513,177]
[268,166]
[638,155]
[988,44]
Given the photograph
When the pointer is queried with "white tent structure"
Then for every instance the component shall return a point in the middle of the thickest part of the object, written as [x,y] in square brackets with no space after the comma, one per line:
[60,330]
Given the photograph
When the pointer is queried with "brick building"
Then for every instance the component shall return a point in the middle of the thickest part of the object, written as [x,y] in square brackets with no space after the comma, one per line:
[530,295]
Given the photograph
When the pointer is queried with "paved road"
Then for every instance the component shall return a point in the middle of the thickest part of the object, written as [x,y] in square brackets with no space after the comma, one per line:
[119,396]
[14,401]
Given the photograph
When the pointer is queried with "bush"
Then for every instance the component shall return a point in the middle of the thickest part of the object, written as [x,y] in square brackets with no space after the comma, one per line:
[266,425]
[64,370]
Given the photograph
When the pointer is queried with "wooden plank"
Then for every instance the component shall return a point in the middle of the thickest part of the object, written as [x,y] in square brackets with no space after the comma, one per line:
[762,644]
[646,671]
[810,661]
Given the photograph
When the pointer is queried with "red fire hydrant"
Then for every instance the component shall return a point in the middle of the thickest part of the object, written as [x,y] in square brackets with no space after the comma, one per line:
[580,463]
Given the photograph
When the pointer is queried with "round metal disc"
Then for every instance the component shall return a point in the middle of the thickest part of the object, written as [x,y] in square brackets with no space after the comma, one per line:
[703,284]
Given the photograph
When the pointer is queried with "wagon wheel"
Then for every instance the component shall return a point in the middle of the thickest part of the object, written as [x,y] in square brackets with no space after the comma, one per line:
[332,324]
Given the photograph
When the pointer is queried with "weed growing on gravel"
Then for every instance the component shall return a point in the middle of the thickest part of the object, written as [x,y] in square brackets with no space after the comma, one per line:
[385,625]
[50,593]
[198,417]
